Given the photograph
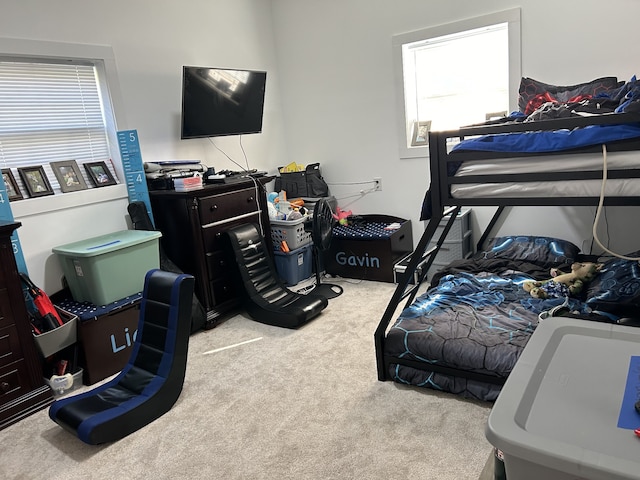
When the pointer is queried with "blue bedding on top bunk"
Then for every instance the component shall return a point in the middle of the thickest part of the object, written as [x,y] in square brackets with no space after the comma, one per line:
[550,141]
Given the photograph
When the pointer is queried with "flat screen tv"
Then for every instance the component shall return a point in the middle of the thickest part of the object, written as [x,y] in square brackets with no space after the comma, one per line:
[219,101]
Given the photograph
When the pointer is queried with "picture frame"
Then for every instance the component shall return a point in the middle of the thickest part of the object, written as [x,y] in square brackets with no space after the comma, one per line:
[420,136]
[99,174]
[13,191]
[35,181]
[68,175]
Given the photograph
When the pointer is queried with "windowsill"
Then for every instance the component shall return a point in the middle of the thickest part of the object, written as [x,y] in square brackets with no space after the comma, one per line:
[51,203]
[414,152]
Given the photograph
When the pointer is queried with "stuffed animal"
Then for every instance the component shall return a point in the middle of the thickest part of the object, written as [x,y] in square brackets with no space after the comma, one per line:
[342,216]
[564,284]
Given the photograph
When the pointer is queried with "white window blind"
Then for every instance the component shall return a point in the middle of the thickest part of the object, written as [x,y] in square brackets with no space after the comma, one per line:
[50,111]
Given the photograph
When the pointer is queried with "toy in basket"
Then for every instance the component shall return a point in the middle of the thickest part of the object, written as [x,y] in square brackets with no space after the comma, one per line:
[291,232]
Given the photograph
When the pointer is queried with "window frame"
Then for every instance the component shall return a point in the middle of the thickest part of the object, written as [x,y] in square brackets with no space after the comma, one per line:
[511,16]
[103,58]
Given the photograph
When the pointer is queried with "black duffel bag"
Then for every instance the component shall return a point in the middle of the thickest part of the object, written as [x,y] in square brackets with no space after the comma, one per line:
[303,184]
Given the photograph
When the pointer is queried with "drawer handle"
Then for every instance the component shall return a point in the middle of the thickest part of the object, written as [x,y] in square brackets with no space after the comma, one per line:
[213,208]
[250,199]
[5,387]
[219,235]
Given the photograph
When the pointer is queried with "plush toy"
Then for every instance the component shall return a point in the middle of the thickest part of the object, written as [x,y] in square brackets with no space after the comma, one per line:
[564,284]
[342,216]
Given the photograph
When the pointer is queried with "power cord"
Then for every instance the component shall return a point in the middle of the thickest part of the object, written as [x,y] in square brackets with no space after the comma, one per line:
[599,209]
[259,188]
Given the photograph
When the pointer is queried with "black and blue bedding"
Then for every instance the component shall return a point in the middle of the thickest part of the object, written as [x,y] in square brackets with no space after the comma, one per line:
[611,105]
[476,318]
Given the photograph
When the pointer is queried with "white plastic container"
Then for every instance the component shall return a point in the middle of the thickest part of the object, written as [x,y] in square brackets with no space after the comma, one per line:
[557,415]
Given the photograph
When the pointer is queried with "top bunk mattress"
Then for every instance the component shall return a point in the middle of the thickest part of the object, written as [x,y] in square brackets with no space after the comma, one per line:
[626,187]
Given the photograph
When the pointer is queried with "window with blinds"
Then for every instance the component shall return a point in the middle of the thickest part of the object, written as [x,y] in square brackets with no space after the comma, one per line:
[51,111]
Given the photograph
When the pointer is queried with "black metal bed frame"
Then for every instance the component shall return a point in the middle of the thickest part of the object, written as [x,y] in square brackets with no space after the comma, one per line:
[444,204]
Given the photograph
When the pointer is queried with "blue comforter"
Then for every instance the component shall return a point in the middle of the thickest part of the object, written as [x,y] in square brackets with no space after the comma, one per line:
[477,322]
[550,141]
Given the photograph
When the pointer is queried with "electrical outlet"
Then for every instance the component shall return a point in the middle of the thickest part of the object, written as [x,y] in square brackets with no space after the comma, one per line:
[377,184]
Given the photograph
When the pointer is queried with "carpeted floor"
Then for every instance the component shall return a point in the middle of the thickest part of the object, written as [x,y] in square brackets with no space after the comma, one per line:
[262,402]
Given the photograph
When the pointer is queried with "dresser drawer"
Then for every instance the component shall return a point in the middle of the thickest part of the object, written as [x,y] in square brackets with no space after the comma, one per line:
[220,265]
[224,289]
[10,349]
[227,205]
[14,381]
[215,238]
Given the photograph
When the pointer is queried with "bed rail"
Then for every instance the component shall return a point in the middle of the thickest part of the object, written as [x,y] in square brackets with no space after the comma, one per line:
[422,255]
[443,178]
[443,204]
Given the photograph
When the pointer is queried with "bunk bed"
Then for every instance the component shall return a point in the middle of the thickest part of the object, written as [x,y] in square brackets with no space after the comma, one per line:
[464,333]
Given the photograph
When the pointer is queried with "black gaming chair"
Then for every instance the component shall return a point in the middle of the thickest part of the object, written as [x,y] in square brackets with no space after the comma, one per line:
[151,382]
[267,300]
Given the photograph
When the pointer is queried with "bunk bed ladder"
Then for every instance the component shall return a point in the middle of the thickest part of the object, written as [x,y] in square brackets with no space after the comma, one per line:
[422,255]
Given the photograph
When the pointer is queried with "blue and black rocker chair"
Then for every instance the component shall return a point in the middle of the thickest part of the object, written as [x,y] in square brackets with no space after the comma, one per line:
[151,382]
[267,300]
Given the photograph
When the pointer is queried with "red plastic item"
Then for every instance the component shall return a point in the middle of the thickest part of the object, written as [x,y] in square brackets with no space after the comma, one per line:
[41,300]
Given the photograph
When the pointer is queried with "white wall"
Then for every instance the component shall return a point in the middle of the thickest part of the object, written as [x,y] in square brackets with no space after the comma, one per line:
[330,92]
[151,42]
[335,65]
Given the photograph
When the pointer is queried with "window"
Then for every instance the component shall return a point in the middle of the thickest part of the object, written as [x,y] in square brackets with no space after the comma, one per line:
[454,75]
[54,108]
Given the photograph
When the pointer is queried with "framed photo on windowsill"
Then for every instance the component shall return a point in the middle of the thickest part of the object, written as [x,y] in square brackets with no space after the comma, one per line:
[420,137]
[69,176]
[13,191]
[35,181]
[99,173]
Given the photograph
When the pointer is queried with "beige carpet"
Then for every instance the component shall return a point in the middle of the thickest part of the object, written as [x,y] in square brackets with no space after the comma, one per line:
[261,402]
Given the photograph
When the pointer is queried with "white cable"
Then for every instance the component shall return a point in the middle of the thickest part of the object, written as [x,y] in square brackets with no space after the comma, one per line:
[255,182]
[599,209]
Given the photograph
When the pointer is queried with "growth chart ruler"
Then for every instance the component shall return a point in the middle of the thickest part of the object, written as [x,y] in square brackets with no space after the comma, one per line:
[7,215]
[133,168]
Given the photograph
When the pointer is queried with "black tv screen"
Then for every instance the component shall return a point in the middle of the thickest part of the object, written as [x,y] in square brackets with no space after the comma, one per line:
[219,101]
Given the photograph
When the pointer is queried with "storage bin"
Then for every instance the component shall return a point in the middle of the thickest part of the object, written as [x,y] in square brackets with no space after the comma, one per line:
[302,184]
[55,340]
[293,232]
[106,335]
[63,384]
[295,266]
[566,412]
[366,250]
[107,268]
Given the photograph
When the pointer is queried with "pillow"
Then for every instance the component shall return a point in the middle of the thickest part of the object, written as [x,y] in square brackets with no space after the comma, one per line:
[616,289]
[541,251]
[533,93]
